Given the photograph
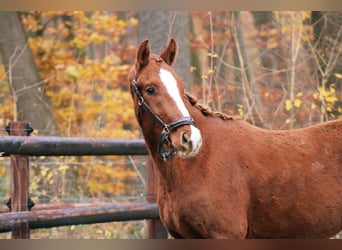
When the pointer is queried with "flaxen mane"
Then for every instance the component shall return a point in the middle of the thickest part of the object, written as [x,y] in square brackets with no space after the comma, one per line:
[207,111]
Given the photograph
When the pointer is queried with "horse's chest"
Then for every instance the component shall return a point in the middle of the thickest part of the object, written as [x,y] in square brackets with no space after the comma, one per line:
[170,218]
[186,216]
[170,213]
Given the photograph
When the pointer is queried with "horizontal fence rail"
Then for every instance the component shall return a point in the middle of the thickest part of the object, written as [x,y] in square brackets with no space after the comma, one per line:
[69,146]
[18,216]
[79,215]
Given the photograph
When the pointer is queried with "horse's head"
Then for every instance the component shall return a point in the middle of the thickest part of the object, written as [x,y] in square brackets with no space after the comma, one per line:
[158,95]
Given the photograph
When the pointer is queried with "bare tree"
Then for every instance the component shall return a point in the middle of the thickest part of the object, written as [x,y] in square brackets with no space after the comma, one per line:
[327,54]
[23,78]
[252,102]
[265,21]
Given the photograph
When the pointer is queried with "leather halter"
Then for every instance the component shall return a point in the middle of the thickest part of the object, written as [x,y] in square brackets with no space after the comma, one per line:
[166,128]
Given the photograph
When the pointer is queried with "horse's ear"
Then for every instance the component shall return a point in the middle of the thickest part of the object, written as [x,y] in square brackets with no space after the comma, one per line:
[170,52]
[143,54]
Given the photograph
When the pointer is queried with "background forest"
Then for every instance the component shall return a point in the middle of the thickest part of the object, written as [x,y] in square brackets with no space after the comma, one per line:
[65,72]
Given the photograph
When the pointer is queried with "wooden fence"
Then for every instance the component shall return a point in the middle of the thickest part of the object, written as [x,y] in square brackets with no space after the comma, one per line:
[18,216]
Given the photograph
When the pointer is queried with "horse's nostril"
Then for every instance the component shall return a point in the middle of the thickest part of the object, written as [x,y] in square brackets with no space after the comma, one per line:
[185,139]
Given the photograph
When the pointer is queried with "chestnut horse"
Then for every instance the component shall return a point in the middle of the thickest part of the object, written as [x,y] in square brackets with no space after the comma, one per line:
[221,177]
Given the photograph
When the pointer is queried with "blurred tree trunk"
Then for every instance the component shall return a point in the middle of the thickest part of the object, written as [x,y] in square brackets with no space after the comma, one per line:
[159,27]
[27,87]
[328,48]
[271,57]
[249,89]
[264,23]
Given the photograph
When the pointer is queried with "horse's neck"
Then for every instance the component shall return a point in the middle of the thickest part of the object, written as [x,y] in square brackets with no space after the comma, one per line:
[173,170]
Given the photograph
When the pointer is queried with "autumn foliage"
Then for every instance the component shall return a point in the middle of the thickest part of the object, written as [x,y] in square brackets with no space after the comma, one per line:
[80,58]
[270,73]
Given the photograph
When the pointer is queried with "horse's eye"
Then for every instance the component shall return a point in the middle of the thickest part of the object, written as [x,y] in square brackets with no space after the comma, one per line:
[150,90]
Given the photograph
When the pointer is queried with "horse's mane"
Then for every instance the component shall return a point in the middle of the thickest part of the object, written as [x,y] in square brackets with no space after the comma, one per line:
[207,111]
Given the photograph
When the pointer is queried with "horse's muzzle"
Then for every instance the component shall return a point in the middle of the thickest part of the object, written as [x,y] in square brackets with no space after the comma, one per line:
[189,145]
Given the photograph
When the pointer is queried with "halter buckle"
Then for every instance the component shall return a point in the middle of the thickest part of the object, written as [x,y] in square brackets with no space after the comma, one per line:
[166,130]
[141,101]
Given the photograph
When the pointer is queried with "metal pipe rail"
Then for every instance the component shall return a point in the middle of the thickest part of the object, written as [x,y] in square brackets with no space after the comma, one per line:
[69,146]
[79,215]
[19,146]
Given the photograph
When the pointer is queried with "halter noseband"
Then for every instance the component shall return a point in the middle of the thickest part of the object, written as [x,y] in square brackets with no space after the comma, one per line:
[166,128]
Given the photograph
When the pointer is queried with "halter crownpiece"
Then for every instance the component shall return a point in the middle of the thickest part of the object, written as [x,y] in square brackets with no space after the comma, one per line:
[166,128]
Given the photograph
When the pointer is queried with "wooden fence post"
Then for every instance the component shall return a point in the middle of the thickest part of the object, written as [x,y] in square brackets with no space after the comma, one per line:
[155,228]
[19,180]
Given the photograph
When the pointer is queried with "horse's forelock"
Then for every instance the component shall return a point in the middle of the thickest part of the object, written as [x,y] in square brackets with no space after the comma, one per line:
[157,58]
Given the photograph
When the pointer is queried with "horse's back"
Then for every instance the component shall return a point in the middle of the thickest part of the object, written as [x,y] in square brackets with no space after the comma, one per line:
[296,189]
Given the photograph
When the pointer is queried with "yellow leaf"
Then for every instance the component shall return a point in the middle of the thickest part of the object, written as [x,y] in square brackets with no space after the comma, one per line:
[43,172]
[288,105]
[210,71]
[99,231]
[297,103]
[72,72]
[315,95]
[332,88]
[108,234]
[121,24]
[49,176]
[300,94]
[272,43]
[63,168]
[240,110]
[133,21]
[2,170]
[213,55]
[338,75]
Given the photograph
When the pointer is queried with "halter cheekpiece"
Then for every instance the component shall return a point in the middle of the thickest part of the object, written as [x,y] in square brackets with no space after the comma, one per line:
[166,128]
